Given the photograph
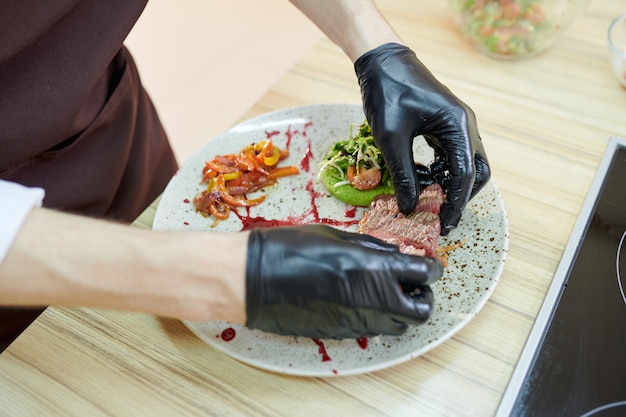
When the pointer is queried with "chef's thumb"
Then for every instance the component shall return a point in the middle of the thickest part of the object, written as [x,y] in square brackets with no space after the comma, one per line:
[420,304]
[414,270]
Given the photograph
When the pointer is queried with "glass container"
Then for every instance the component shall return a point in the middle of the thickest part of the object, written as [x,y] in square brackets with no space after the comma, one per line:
[514,29]
[617,47]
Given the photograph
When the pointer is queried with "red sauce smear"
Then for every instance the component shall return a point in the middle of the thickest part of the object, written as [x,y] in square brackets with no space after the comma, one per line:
[350,212]
[310,216]
[290,134]
[269,135]
[321,348]
[305,162]
[228,334]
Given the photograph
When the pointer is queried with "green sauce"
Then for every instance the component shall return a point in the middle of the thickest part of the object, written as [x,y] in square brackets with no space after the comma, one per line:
[350,195]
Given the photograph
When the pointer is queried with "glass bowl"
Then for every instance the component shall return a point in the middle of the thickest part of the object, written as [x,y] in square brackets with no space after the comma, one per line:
[515,29]
[617,47]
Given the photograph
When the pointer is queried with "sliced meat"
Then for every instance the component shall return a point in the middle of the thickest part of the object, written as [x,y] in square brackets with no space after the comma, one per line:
[416,233]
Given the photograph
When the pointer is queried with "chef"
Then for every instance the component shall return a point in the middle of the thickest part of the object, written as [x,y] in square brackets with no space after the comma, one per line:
[82,151]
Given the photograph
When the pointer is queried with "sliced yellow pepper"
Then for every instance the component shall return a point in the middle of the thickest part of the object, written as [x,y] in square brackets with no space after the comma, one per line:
[272,160]
[211,184]
[231,175]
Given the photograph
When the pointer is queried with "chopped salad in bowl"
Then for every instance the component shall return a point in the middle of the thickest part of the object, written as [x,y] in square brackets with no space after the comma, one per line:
[512,29]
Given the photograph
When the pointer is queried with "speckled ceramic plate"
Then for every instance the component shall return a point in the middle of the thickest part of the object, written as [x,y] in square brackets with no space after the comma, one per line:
[308,132]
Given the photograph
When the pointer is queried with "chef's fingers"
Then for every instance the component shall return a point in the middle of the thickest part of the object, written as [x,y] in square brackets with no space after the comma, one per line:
[414,270]
[462,174]
[399,160]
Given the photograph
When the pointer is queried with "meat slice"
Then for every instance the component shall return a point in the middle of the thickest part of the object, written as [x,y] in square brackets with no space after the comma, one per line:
[416,233]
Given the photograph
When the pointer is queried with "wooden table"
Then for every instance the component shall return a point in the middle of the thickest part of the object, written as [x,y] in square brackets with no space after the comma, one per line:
[545,123]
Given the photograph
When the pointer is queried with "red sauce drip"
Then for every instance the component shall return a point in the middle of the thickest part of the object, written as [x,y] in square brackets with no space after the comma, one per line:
[290,134]
[228,334]
[363,341]
[321,348]
[350,212]
[186,201]
[305,162]
[310,188]
[323,220]
[272,133]
[250,223]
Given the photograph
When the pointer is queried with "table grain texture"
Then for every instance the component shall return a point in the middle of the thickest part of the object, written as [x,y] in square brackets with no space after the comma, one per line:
[545,123]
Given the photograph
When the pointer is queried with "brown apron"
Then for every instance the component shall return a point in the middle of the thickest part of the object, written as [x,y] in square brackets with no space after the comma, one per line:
[76,119]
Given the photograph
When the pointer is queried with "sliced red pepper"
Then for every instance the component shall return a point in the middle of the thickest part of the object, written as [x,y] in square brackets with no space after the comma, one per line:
[234,201]
[284,172]
[219,210]
[231,177]
[222,168]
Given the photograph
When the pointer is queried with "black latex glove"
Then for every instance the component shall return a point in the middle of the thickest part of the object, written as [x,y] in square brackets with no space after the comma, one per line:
[317,281]
[402,100]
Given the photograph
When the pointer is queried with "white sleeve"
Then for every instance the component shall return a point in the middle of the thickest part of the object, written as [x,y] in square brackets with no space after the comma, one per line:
[16,201]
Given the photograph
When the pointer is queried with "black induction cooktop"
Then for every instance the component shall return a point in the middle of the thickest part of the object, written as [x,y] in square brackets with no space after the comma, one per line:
[574,362]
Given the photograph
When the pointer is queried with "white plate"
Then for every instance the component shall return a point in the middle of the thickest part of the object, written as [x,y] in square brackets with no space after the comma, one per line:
[469,280]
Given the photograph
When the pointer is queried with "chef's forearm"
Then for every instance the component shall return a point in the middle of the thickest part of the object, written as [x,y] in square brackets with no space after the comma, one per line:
[356,26]
[62,259]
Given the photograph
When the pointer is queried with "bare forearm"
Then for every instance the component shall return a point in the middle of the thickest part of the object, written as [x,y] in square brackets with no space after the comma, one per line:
[356,26]
[60,259]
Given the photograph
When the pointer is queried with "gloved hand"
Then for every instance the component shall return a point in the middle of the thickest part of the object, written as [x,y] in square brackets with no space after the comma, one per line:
[402,100]
[317,281]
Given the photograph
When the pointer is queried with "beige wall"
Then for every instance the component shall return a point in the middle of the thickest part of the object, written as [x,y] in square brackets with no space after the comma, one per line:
[204,62]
